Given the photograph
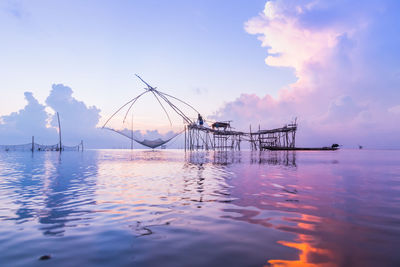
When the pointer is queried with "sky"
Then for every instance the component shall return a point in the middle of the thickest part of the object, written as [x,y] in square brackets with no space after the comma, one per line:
[332,64]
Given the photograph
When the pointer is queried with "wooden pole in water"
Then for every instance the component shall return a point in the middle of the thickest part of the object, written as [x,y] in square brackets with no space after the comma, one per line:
[33,143]
[82,144]
[251,139]
[132,132]
[59,130]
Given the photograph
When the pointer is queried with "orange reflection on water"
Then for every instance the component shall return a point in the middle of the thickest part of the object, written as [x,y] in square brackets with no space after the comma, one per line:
[309,255]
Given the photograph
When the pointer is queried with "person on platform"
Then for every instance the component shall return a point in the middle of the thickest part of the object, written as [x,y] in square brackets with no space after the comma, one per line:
[200,120]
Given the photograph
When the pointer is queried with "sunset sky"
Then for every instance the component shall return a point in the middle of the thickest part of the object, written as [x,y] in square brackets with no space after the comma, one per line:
[335,65]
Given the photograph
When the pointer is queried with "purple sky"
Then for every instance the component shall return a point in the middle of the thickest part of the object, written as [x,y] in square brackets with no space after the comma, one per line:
[332,64]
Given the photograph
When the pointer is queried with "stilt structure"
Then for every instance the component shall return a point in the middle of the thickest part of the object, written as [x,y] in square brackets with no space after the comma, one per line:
[224,138]
[274,139]
[217,138]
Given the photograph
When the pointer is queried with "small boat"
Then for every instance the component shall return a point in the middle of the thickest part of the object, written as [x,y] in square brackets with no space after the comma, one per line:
[332,147]
[300,148]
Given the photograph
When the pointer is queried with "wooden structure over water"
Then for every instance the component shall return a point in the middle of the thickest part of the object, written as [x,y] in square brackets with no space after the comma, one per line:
[278,139]
[201,137]
[198,137]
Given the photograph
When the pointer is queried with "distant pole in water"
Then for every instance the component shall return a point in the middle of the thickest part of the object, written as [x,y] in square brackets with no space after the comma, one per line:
[82,144]
[251,139]
[33,143]
[132,133]
[185,138]
[59,130]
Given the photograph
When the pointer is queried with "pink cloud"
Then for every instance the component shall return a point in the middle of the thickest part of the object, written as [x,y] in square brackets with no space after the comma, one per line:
[347,84]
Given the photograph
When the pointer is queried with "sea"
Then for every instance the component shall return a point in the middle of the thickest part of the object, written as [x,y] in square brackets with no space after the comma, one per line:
[177,208]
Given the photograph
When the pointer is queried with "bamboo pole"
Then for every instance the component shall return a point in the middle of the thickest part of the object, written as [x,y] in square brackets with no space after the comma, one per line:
[132,133]
[59,130]
[251,139]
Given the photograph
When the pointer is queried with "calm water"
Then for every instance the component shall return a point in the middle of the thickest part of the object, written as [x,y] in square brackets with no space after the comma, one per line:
[168,208]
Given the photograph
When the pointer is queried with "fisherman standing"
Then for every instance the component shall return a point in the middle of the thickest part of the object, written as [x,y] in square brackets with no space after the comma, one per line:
[200,120]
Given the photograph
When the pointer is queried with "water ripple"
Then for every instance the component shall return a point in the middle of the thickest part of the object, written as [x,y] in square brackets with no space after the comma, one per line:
[244,208]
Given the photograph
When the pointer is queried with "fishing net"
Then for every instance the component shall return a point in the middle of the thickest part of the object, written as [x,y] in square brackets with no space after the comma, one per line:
[38,147]
[145,118]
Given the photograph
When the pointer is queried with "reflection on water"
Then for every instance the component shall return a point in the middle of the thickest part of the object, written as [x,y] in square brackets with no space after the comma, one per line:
[284,158]
[153,208]
[308,253]
[45,187]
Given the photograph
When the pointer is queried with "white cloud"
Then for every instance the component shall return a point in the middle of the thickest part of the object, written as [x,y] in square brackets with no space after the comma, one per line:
[30,121]
[76,117]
